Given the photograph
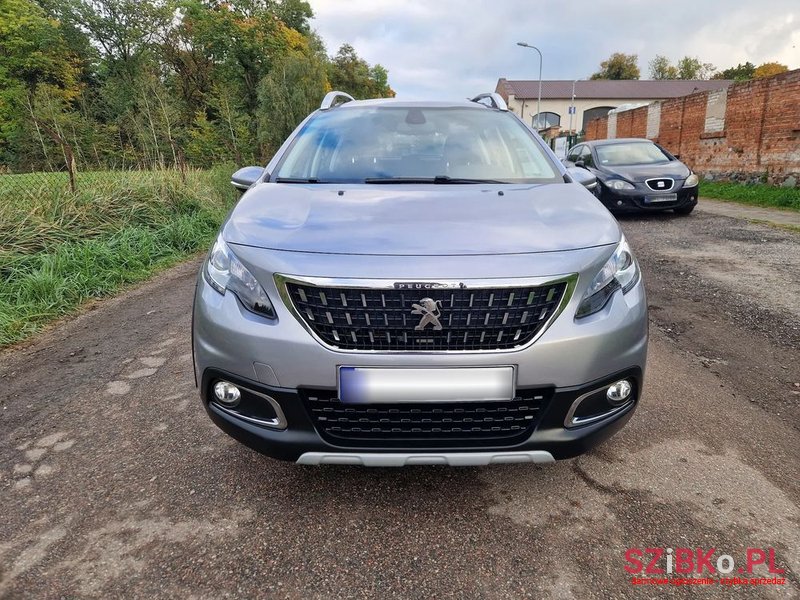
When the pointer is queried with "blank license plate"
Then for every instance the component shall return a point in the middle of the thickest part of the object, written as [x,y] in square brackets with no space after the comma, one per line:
[369,385]
[662,198]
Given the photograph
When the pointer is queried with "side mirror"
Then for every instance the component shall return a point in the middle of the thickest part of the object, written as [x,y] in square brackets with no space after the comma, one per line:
[245,177]
[582,176]
[579,163]
[678,156]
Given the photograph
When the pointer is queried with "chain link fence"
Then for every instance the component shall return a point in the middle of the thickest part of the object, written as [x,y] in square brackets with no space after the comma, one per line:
[33,183]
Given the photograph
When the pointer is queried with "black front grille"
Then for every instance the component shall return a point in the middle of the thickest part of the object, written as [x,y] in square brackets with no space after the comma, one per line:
[661,184]
[393,319]
[461,424]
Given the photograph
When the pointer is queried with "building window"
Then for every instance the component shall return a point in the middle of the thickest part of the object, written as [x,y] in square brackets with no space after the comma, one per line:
[548,119]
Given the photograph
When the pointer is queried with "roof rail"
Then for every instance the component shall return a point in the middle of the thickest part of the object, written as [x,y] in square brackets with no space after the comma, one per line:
[331,98]
[494,97]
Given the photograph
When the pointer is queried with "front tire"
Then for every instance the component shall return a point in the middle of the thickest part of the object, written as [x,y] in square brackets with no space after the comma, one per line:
[684,210]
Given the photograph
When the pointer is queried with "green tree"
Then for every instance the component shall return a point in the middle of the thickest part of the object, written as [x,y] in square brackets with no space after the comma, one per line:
[741,72]
[662,68]
[380,77]
[189,61]
[769,69]
[690,67]
[122,83]
[352,74]
[242,40]
[85,56]
[125,31]
[619,66]
[293,89]
[32,49]
[32,54]
[124,36]
[687,68]
[295,14]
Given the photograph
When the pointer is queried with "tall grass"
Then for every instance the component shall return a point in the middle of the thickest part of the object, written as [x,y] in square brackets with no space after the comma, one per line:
[755,194]
[59,249]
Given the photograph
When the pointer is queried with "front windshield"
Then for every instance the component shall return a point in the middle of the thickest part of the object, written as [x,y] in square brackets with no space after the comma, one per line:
[392,144]
[635,153]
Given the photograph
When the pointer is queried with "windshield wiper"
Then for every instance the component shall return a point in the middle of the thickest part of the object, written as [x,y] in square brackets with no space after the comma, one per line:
[439,179]
[298,180]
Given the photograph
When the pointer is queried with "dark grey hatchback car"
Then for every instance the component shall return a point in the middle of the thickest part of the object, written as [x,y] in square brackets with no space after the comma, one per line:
[636,174]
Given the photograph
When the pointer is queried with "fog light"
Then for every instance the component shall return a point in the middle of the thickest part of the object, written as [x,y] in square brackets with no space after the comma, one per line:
[619,392]
[227,393]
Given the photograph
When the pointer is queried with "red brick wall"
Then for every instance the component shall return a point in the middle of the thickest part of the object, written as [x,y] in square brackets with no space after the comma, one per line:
[669,134]
[630,123]
[639,122]
[743,118]
[602,128]
[780,137]
[624,124]
[596,129]
[691,127]
[761,136]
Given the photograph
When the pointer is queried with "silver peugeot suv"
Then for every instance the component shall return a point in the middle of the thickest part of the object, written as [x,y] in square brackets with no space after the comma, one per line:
[418,283]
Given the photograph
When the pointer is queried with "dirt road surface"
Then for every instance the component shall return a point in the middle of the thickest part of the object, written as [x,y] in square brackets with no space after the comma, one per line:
[113,482]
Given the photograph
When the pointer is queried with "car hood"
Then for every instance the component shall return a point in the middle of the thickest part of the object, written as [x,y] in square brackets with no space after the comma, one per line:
[425,220]
[673,169]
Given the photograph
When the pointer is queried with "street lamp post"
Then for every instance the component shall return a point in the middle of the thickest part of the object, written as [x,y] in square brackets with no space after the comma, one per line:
[539,99]
[572,106]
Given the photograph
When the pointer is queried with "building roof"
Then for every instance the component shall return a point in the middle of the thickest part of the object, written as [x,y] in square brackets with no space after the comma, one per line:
[622,89]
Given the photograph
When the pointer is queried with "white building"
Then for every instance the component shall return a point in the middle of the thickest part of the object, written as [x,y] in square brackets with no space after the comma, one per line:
[592,99]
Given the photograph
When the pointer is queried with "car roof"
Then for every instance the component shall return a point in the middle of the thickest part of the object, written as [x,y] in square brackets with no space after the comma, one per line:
[617,141]
[393,102]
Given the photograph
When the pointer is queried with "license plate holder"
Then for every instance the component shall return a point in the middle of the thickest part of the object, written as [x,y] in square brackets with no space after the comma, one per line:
[397,385]
[661,198]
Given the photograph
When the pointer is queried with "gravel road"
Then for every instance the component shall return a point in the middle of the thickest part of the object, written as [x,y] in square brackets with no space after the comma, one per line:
[113,482]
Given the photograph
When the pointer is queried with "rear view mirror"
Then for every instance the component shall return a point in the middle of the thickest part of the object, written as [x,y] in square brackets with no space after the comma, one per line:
[582,176]
[245,177]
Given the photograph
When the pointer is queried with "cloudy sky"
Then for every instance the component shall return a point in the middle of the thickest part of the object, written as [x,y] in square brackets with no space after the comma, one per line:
[444,49]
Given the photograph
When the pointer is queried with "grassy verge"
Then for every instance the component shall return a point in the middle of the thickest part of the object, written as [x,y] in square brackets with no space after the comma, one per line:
[756,195]
[59,249]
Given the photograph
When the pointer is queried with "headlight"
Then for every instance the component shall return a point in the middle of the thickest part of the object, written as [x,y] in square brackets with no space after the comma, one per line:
[691,181]
[619,272]
[619,184]
[223,271]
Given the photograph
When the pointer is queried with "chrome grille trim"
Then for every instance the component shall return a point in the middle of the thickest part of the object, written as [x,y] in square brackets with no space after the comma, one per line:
[668,188]
[282,281]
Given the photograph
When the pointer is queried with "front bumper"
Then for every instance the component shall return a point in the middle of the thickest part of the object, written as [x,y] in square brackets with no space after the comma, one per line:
[301,442]
[281,360]
[639,199]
